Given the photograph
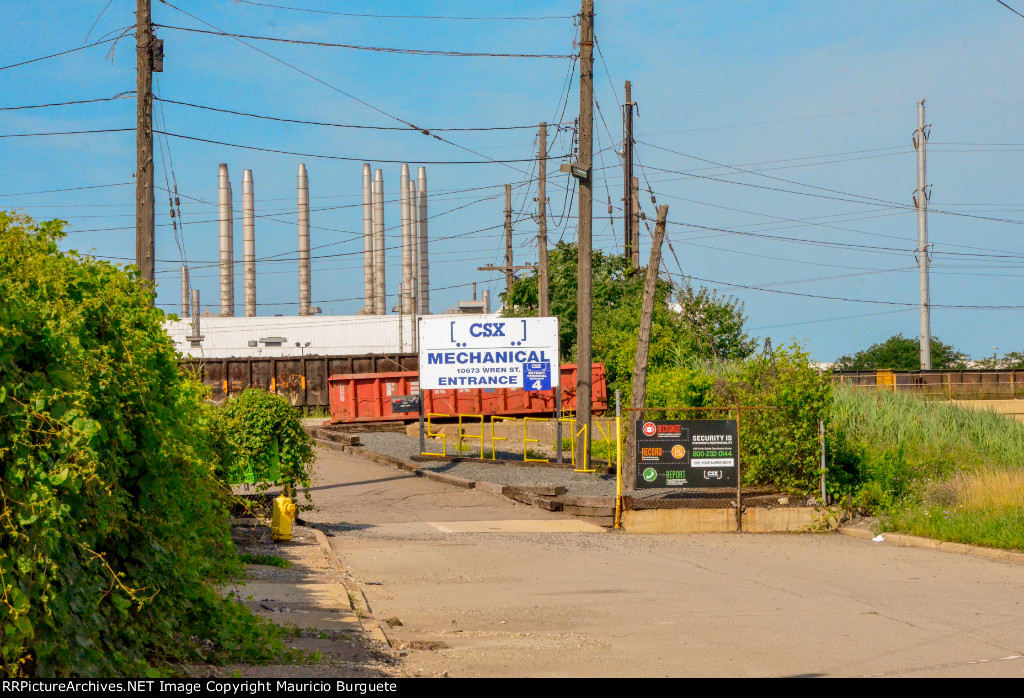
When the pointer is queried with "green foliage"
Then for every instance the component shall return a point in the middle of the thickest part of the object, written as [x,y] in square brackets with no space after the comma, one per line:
[264,435]
[779,445]
[898,353]
[688,322]
[891,446]
[999,529]
[113,525]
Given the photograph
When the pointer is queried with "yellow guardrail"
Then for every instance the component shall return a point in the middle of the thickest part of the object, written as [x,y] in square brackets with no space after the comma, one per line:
[464,435]
[497,418]
[431,435]
[586,441]
[526,421]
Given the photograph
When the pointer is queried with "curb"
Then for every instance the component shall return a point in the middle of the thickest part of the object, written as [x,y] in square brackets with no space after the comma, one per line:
[903,540]
[367,620]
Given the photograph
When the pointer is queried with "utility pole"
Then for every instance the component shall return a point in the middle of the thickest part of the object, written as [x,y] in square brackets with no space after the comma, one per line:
[542,221]
[584,279]
[921,196]
[635,230]
[643,347]
[145,206]
[509,277]
[627,176]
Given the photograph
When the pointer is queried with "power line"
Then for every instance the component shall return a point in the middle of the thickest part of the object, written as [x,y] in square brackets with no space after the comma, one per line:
[379,49]
[62,53]
[438,17]
[861,199]
[64,133]
[336,125]
[53,191]
[1010,8]
[119,95]
[338,89]
[489,161]
[856,300]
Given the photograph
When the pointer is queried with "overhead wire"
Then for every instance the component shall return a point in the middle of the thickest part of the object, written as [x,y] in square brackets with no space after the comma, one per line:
[354,47]
[377,16]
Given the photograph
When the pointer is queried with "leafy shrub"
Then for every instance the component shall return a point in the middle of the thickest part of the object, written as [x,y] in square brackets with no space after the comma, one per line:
[780,445]
[113,524]
[264,435]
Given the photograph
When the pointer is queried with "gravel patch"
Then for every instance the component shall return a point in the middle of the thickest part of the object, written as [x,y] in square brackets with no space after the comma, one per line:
[579,484]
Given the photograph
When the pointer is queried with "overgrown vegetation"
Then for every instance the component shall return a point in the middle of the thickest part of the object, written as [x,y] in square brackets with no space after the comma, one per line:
[270,560]
[264,441]
[932,468]
[113,521]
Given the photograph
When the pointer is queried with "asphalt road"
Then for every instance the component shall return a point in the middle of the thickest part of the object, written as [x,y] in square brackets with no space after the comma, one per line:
[478,596]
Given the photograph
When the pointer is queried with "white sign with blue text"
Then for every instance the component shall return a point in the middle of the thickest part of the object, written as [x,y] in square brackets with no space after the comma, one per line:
[488,352]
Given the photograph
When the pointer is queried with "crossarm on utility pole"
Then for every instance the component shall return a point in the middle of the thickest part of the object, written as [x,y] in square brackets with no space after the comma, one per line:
[643,348]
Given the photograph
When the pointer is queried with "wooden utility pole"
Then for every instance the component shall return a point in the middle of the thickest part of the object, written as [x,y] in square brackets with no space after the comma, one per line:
[145,206]
[627,176]
[542,221]
[584,279]
[643,347]
[635,229]
[509,276]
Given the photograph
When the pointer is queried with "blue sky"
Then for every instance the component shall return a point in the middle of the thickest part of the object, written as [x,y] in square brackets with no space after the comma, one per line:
[769,87]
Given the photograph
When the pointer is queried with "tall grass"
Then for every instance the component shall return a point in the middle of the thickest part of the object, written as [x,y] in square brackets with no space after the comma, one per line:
[940,433]
[932,468]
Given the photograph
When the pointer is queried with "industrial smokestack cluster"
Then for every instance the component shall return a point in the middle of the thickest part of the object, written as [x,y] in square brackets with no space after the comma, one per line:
[414,297]
[415,286]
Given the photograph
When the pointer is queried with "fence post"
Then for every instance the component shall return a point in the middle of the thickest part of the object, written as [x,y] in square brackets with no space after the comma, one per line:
[739,476]
[821,431]
[618,461]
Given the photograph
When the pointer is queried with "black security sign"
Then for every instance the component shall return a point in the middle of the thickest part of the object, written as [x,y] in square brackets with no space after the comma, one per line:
[694,453]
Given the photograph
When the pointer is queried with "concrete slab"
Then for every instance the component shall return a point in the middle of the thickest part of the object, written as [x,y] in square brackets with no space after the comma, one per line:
[517,526]
[679,521]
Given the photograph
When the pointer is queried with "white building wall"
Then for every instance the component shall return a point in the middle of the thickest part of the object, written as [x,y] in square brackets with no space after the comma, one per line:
[349,335]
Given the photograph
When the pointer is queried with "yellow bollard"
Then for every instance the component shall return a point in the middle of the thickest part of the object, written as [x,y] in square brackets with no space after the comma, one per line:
[281,518]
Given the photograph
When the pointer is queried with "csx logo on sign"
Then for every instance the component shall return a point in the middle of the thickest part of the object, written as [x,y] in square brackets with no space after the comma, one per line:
[487,329]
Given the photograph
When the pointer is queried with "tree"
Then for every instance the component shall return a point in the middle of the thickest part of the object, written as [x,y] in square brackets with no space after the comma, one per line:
[899,353]
[688,322]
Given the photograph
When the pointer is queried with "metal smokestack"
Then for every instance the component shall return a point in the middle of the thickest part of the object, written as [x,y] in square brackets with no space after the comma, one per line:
[196,338]
[369,285]
[248,244]
[224,215]
[403,198]
[414,249]
[303,206]
[184,292]
[380,295]
[424,261]
[487,301]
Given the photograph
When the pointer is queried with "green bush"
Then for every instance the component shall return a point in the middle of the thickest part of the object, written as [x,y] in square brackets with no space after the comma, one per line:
[113,524]
[267,445]
[780,445]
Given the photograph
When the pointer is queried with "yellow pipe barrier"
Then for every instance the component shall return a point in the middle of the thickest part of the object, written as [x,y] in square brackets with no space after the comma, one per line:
[494,418]
[534,441]
[607,438]
[586,442]
[463,435]
[572,442]
[444,438]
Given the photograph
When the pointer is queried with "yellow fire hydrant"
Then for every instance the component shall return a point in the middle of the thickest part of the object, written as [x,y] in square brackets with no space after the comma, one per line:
[281,518]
